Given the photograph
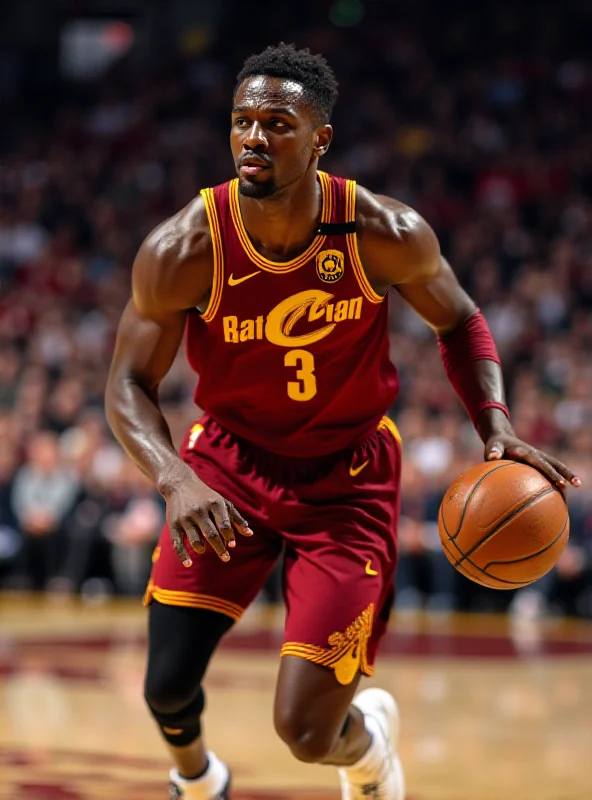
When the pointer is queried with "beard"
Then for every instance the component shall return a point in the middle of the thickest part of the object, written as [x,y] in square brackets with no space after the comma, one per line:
[257,190]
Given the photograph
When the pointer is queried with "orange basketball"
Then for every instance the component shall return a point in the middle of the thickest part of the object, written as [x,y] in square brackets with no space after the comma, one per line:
[503,524]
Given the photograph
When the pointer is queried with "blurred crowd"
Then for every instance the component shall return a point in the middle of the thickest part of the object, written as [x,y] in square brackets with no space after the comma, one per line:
[483,134]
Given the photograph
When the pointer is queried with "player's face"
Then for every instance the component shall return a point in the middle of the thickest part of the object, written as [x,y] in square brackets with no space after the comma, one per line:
[273,137]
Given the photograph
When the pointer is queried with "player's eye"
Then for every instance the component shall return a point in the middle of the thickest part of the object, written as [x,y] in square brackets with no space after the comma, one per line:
[240,122]
[278,123]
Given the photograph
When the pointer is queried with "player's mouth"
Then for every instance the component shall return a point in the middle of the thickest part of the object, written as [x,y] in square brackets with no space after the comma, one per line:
[252,165]
[252,169]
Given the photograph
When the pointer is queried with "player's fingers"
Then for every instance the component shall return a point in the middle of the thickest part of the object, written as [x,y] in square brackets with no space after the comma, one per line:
[564,470]
[212,536]
[222,519]
[238,521]
[494,450]
[536,460]
[176,532]
[193,534]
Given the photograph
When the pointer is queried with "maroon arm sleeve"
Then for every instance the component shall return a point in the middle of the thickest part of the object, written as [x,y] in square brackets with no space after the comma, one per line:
[472,341]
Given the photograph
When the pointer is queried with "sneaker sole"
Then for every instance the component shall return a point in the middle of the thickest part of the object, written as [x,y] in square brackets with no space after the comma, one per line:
[224,795]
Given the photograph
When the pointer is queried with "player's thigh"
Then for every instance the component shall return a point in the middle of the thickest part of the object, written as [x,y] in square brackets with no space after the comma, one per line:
[181,642]
[341,558]
[209,583]
[337,610]
[338,601]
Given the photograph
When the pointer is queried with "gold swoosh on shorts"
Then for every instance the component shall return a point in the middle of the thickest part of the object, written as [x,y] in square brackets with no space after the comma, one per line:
[353,471]
[369,570]
[232,281]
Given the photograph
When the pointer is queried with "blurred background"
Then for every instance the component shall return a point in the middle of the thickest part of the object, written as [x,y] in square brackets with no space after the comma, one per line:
[114,115]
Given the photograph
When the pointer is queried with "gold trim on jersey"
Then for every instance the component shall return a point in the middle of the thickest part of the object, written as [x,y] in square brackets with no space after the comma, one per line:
[218,278]
[352,246]
[168,597]
[389,425]
[348,652]
[280,266]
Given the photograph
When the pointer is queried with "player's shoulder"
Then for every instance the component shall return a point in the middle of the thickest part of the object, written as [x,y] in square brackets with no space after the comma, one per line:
[394,237]
[182,236]
[381,215]
[174,265]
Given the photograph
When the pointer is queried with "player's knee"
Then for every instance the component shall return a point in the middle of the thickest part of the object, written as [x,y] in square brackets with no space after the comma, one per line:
[310,743]
[169,698]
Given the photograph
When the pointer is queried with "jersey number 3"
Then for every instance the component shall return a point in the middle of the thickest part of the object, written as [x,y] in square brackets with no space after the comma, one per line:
[305,387]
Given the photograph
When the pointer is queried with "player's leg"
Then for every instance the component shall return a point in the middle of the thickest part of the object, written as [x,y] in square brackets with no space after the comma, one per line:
[322,722]
[192,608]
[180,644]
[190,611]
[339,570]
[314,715]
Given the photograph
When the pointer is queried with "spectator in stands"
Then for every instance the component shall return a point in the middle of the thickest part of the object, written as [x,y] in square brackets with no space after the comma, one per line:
[495,154]
[42,494]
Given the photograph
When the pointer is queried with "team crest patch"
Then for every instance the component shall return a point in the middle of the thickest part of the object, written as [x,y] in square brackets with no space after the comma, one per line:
[330,265]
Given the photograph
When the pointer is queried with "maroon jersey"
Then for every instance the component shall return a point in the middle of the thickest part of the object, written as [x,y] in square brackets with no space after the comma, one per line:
[292,356]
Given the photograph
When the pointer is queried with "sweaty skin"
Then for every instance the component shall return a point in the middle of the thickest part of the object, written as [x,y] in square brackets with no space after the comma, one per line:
[276,141]
[274,138]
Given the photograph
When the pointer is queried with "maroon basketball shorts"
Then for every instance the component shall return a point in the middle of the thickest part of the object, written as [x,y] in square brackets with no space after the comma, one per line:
[334,519]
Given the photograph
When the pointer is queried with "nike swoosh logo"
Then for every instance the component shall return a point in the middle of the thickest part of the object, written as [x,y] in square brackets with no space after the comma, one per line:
[369,570]
[232,281]
[353,471]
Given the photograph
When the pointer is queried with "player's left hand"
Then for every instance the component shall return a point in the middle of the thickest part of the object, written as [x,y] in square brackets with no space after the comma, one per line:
[508,445]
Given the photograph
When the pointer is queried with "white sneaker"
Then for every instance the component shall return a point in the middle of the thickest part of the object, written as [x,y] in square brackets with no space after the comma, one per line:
[213,785]
[382,719]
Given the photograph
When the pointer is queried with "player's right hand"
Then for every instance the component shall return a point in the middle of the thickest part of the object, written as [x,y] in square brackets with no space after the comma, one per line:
[202,515]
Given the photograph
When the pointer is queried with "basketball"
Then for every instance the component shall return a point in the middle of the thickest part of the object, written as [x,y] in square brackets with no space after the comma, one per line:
[503,524]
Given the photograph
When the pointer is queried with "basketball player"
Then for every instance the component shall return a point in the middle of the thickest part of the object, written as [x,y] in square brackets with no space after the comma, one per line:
[279,280]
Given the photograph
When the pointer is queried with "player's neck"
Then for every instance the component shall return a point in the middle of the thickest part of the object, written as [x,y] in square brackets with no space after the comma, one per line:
[283,225]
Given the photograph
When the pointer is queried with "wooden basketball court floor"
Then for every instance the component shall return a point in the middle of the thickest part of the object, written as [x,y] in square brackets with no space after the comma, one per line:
[490,709]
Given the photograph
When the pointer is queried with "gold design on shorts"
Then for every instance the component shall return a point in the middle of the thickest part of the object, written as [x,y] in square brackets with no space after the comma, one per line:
[171,597]
[194,434]
[348,651]
[386,422]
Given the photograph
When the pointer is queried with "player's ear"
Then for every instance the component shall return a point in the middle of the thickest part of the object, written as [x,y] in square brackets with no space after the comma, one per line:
[322,140]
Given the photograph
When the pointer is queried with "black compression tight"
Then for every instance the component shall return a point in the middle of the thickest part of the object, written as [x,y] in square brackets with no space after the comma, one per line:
[180,644]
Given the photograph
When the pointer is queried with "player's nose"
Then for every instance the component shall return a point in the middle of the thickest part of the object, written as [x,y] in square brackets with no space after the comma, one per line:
[255,138]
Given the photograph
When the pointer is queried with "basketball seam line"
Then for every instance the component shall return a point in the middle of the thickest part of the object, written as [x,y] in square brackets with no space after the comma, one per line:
[531,555]
[471,493]
[465,571]
[510,517]
[475,576]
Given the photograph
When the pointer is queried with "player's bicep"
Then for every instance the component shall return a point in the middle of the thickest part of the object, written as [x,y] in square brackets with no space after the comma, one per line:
[146,346]
[438,298]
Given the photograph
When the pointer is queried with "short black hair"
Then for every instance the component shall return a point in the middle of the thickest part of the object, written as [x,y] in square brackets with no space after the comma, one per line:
[308,69]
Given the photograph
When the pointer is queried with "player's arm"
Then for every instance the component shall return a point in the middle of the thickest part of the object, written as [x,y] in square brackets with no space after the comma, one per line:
[171,273]
[399,249]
